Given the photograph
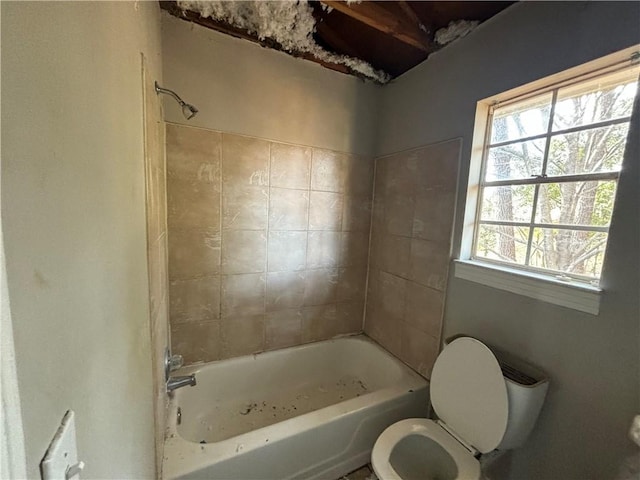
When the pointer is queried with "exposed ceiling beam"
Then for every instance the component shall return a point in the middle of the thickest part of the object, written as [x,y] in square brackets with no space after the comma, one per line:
[333,38]
[406,8]
[175,10]
[384,20]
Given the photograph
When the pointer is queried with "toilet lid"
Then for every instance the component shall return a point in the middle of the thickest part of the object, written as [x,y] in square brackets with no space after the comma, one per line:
[469,394]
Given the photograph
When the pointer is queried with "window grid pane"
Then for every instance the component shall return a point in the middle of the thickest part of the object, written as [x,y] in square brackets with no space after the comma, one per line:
[537,186]
[561,250]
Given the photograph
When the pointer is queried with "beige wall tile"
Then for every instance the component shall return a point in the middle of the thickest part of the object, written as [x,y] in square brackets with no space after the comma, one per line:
[354,249]
[434,215]
[323,249]
[418,349]
[384,330]
[328,170]
[287,251]
[156,259]
[245,161]
[193,253]
[380,176]
[288,209]
[160,339]
[153,203]
[163,266]
[393,254]
[162,198]
[160,326]
[193,204]
[283,328]
[195,300]
[157,277]
[375,250]
[414,200]
[356,213]
[392,294]
[321,286]
[243,295]
[244,207]
[325,211]
[358,175]
[193,153]
[285,290]
[279,206]
[373,278]
[290,166]
[196,342]
[423,308]
[377,215]
[242,335]
[349,317]
[429,263]
[244,251]
[319,322]
[398,215]
[351,283]
[399,173]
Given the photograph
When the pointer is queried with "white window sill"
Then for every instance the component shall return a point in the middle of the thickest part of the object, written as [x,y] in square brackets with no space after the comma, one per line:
[584,298]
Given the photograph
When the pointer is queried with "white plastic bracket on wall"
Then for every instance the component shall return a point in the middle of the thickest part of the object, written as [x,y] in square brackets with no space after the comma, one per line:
[61,460]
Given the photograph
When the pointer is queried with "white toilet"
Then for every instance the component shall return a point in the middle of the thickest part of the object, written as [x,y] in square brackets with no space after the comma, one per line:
[483,403]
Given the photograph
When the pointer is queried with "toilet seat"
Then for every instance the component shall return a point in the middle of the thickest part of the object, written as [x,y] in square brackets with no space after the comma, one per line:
[468,467]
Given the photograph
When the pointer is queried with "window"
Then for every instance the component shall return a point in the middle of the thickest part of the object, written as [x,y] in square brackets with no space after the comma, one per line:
[550,164]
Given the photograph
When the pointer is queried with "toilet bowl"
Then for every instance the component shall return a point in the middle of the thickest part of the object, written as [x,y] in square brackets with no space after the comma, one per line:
[470,396]
[420,449]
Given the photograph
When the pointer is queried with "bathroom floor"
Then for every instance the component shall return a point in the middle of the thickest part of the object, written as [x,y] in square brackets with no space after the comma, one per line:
[363,473]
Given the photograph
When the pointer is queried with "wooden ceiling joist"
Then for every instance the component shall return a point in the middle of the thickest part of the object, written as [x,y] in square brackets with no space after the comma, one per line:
[412,15]
[402,27]
[173,8]
[336,41]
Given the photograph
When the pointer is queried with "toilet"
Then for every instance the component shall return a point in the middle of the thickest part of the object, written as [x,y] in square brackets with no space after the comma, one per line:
[484,399]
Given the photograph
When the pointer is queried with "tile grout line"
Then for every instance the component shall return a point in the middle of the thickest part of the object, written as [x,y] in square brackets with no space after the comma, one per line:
[369,252]
[220,221]
[306,250]
[266,256]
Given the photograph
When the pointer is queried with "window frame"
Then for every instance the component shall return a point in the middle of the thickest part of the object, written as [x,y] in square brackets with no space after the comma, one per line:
[573,291]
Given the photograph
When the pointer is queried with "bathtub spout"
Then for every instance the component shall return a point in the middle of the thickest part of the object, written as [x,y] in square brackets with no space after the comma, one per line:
[179,382]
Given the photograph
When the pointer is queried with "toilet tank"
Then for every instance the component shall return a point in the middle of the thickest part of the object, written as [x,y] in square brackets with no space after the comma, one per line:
[526,389]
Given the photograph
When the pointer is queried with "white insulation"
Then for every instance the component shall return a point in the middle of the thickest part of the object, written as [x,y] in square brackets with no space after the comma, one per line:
[290,23]
[454,31]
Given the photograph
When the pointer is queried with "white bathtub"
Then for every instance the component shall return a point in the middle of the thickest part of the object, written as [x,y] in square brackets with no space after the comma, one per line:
[312,411]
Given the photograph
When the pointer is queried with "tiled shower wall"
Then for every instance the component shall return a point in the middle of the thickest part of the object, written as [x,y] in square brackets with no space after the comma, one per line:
[413,212]
[156,252]
[268,243]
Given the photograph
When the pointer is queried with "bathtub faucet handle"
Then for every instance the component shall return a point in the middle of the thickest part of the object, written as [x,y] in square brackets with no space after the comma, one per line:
[175,362]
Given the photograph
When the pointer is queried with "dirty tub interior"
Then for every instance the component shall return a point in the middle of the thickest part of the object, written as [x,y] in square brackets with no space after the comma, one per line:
[311,411]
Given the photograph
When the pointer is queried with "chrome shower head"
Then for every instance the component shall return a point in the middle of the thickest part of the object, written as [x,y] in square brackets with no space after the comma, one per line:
[189,111]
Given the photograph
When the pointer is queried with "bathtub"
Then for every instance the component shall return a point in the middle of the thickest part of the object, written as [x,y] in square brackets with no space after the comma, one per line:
[312,411]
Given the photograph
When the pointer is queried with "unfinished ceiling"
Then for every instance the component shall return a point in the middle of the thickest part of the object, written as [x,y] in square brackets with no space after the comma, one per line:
[373,40]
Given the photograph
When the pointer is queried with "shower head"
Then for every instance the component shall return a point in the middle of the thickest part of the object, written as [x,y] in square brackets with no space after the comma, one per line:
[189,111]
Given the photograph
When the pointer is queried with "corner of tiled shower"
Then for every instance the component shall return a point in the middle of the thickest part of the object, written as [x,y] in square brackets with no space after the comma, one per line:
[273,245]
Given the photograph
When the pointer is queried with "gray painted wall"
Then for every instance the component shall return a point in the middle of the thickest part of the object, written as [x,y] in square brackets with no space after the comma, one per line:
[593,361]
[243,88]
[73,215]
